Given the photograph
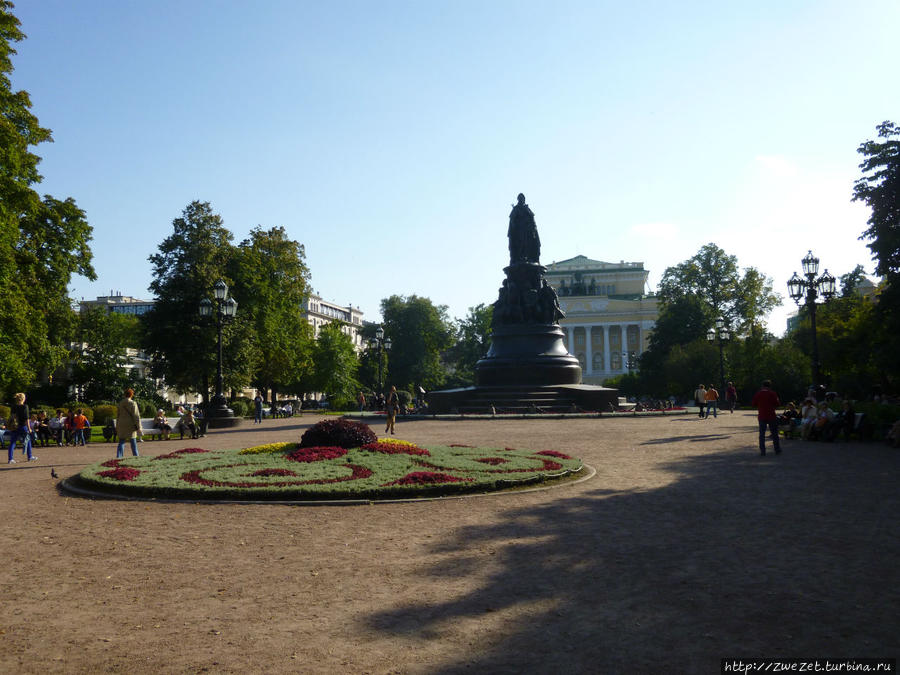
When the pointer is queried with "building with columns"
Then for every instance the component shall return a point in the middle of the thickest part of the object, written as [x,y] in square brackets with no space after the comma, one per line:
[609,314]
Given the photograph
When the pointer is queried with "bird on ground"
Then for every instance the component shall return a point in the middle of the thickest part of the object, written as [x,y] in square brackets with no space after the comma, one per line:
[53,473]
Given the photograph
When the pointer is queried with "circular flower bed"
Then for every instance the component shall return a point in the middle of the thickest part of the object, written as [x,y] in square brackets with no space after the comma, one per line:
[385,468]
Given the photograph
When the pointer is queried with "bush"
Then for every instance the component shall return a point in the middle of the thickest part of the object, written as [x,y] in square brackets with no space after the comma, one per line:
[147,408]
[340,432]
[103,413]
[239,407]
[4,412]
[405,398]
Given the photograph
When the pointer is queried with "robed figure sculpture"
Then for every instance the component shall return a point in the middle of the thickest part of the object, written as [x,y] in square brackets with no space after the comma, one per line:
[524,243]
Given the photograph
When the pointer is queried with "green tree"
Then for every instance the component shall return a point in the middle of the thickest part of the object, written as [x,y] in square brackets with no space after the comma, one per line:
[713,277]
[42,241]
[182,345]
[271,280]
[879,189]
[473,339]
[105,337]
[420,332]
[335,364]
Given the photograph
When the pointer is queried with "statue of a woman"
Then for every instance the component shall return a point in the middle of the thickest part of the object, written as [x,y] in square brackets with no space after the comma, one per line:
[524,243]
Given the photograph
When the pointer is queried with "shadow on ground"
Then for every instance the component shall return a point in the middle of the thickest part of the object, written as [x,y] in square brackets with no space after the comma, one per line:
[739,556]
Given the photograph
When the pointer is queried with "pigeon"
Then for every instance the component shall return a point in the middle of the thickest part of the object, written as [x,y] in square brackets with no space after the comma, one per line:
[53,473]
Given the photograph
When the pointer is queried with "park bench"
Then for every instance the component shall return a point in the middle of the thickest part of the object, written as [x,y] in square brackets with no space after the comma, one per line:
[149,429]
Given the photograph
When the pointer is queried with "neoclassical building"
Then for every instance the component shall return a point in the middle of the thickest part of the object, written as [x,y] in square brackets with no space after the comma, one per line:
[609,314]
[319,312]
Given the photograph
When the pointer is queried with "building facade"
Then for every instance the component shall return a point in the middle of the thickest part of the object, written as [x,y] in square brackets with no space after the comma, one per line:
[320,312]
[609,316]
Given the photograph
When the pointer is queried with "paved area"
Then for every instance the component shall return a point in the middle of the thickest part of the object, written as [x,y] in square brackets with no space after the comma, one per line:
[686,548]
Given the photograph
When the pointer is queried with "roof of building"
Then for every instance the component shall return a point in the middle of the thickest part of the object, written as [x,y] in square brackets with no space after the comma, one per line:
[585,264]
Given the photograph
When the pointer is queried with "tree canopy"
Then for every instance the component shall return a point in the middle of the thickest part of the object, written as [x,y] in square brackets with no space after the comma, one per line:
[43,241]
[420,332]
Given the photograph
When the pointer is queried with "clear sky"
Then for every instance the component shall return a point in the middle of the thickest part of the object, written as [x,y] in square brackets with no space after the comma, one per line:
[391,138]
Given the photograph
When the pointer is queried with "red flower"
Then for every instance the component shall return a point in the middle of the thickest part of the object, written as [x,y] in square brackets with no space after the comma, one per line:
[274,472]
[111,463]
[492,460]
[428,478]
[553,453]
[178,453]
[316,454]
[395,449]
[460,445]
[121,473]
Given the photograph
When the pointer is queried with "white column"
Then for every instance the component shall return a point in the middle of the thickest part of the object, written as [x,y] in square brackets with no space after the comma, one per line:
[606,349]
[588,358]
[571,345]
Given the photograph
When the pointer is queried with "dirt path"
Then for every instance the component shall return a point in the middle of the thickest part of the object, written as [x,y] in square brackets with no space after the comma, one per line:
[686,548]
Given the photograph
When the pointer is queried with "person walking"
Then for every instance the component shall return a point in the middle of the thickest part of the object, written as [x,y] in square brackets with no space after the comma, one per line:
[391,408]
[79,422]
[128,424]
[257,408]
[766,401]
[712,401]
[700,398]
[19,426]
[731,396]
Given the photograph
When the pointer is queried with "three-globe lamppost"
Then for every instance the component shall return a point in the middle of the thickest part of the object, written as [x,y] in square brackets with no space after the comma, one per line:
[218,414]
[719,334]
[807,290]
[380,342]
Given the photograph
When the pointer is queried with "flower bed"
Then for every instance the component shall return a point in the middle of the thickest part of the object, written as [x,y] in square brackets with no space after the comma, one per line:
[386,468]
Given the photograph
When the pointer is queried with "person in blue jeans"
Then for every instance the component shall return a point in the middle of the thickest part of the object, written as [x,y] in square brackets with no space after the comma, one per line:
[21,428]
[128,424]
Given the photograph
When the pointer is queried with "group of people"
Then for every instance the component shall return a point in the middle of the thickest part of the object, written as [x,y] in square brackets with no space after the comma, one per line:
[817,421]
[275,410]
[72,428]
[707,400]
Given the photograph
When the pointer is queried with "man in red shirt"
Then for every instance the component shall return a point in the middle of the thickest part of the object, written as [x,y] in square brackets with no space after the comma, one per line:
[766,401]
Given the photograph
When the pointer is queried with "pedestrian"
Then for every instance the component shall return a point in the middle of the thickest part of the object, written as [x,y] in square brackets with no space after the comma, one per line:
[766,401]
[391,408]
[19,427]
[712,401]
[731,396]
[361,399]
[79,422]
[700,398]
[128,424]
[188,423]
[257,410]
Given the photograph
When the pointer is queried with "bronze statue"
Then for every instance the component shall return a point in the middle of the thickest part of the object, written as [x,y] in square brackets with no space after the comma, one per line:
[524,243]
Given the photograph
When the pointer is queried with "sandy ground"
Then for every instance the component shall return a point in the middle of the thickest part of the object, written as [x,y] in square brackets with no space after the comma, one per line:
[686,548]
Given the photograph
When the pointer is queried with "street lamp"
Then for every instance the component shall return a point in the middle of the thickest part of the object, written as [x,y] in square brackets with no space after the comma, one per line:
[807,290]
[628,357]
[719,334]
[380,342]
[218,414]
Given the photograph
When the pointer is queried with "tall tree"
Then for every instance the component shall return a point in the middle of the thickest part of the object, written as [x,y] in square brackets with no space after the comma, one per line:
[106,337]
[335,364]
[420,332]
[473,339]
[713,276]
[42,241]
[271,280]
[181,344]
[879,189]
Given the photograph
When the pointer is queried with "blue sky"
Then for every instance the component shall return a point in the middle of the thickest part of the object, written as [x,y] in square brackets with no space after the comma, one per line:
[392,138]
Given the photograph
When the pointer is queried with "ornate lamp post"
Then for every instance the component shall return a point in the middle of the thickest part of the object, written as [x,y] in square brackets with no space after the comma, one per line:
[808,290]
[719,334]
[380,342]
[218,413]
[628,358]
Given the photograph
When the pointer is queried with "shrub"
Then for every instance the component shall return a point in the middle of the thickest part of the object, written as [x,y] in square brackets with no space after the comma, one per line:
[4,412]
[405,398]
[239,407]
[147,408]
[103,413]
[338,432]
